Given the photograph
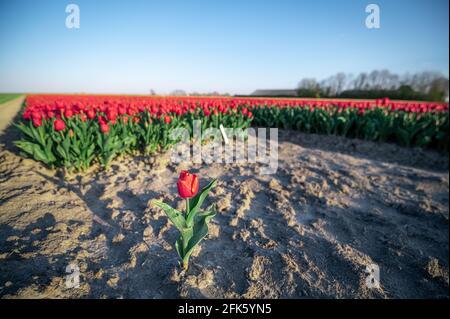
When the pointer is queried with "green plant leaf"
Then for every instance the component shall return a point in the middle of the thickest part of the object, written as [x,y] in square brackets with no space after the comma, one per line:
[174,215]
[197,202]
[179,247]
[200,231]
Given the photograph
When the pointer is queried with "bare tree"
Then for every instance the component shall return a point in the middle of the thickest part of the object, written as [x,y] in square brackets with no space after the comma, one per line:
[361,82]
[334,84]
[308,84]
[422,81]
[439,89]
[423,85]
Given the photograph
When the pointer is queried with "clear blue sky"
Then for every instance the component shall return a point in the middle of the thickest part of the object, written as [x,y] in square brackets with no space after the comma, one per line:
[205,45]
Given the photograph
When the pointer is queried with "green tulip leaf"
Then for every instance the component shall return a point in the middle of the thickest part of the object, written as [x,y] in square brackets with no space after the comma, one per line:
[200,230]
[174,215]
[198,200]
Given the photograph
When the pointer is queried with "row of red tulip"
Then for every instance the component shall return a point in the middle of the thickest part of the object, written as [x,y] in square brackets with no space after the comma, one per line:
[78,130]
[55,106]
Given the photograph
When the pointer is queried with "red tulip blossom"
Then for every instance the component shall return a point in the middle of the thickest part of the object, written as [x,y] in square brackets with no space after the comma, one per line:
[91,114]
[187,184]
[59,125]
[37,122]
[111,115]
[68,113]
[104,128]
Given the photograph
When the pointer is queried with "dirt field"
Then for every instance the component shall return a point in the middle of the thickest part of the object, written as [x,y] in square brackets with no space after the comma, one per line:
[8,110]
[334,207]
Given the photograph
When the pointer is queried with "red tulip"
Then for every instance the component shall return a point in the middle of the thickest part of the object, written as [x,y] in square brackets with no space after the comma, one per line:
[121,110]
[187,184]
[36,115]
[104,128]
[111,115]
[37,122]
[91,114]
[167,119]
[59,125]
[68,113]
[102,120]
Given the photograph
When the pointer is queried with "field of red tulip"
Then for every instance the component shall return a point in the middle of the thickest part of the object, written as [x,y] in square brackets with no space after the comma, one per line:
[153,227]
[75,131]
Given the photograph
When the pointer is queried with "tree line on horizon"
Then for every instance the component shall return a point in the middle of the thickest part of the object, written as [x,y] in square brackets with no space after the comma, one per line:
[422,86]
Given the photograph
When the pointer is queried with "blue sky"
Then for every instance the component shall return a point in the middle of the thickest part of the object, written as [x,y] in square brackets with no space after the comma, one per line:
[204,45]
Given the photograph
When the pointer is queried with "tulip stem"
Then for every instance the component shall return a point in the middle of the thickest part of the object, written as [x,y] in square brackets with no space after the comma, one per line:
[187,206]
[185,265]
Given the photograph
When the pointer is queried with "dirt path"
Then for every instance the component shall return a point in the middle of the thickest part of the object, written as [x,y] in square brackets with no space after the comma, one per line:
[8,111]
[334,207]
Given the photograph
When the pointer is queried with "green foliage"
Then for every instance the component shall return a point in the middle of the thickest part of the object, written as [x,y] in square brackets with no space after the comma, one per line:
[193,225]
[82,143]
[5,97]
[37,143]
[379,125]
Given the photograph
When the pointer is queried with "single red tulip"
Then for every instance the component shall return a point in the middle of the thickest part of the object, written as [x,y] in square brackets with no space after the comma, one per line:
[59,125]
[187,184]
[37,122]
[121,110]
[91,114]
[111,115]
[102,120]
[36,115]
[104,128]
[167,119]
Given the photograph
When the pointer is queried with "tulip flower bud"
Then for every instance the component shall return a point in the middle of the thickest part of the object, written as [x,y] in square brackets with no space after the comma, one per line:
[104,128]
[187,184]
[59,125]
